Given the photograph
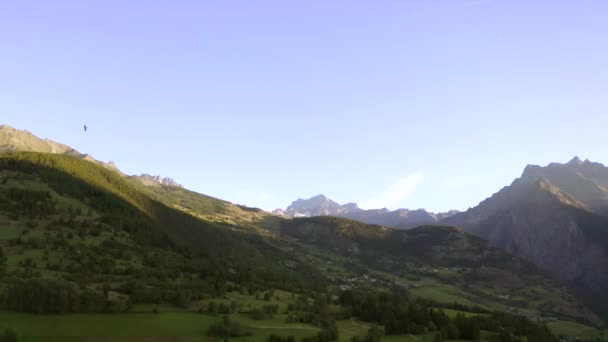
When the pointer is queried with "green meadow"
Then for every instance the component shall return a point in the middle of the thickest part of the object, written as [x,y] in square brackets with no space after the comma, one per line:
[175,326]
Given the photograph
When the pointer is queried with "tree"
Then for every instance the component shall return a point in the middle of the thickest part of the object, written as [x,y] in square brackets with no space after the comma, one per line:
[9,335]
[476,331]
[374,334]
[2,262]
[227,328]
[453,332]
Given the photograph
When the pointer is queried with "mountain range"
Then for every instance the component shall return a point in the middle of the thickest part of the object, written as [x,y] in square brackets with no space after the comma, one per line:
[401,218]
[65,214]
[554,216]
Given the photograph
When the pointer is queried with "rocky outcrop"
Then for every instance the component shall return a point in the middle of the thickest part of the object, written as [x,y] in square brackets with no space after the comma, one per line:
[151,180]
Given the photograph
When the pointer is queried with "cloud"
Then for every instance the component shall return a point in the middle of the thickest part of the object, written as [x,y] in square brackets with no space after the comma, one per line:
[395,193]
[464,180]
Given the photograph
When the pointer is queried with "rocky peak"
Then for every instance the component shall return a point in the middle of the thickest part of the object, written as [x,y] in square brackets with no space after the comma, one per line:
[531,172]
[155,180]
[576,161]
[585,181]
[318,205]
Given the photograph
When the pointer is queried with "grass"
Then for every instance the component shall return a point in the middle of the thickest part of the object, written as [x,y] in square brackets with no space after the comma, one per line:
[9,230]
[406,338]
[166,325]
[573,329]
[443,294]
[38,327]
[348,329]
[177,326]
[452,313]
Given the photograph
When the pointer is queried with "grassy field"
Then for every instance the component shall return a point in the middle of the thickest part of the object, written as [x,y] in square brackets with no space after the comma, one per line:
[453,313]
[573,329]
[175,326]
[443,294]
[165,326]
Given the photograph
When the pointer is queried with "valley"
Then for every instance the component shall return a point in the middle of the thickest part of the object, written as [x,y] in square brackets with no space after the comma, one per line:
[91,254]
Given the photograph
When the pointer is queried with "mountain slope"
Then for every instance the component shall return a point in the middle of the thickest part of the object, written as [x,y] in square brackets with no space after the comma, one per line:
[69,219]
[12,139]
[555,230]
[322,206]
[123,236]
[78,237]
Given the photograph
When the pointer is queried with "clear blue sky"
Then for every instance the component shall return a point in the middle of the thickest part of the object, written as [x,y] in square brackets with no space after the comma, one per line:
[432,104]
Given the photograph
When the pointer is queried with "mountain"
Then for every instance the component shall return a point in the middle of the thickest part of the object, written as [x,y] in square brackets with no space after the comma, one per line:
[12,139]
[315,206]
[585,181]
[552,216]
[401,218]
[76,236]
[432,261]
[150,180]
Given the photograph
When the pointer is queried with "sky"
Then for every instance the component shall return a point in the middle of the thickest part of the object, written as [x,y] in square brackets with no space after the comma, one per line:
[430,104]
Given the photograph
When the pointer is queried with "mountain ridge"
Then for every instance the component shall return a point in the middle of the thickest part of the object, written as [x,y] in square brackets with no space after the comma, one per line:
[156,180]
[320,205]
[13,139]
[553,217]
[223,242]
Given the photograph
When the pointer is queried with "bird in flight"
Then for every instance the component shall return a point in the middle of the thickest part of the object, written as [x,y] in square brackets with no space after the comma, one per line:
[85,128]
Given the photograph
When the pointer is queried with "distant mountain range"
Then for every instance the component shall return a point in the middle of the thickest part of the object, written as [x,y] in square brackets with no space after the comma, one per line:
[401,218]
[12,139]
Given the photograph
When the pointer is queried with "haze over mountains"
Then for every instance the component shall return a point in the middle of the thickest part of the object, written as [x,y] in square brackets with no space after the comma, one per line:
[401,218]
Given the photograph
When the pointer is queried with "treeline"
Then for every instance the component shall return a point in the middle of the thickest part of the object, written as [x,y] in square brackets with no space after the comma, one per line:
[25,202]
[59,297]
[399,313]
[454,306]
